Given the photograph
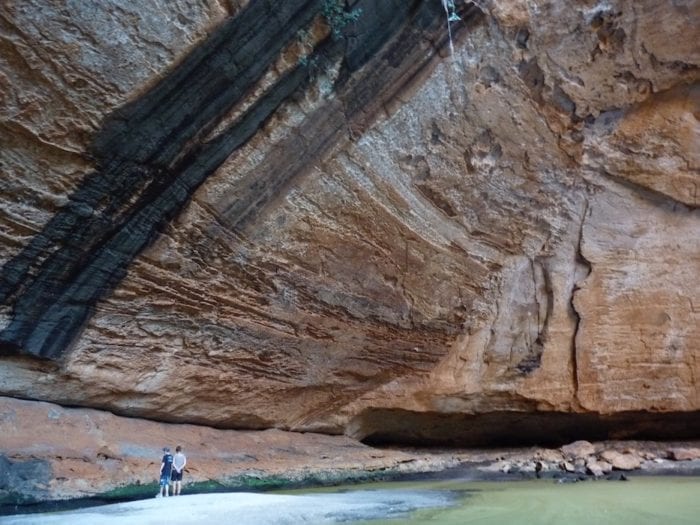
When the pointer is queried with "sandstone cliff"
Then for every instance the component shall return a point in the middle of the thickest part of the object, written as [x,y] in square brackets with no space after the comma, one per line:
[308,215]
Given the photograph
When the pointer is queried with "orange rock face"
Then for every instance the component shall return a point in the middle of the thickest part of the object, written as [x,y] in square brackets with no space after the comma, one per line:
[511,229]
[85,452]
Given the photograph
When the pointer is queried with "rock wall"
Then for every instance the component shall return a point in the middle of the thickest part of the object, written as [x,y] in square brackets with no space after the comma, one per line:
[87,453]
[302,215]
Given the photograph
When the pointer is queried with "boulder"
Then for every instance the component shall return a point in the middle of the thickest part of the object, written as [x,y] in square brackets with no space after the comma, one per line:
[549,455]
[497,466]
[567,466]
[620,461]
[598,468]
[527,467]
[578,449]
[580,465]
[684,454]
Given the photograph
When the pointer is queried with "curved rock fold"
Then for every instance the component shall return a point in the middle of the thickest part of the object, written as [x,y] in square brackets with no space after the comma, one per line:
[308,215]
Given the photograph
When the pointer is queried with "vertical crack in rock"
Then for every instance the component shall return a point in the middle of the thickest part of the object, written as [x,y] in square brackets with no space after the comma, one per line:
[580,263]
[541,282]
[150,158]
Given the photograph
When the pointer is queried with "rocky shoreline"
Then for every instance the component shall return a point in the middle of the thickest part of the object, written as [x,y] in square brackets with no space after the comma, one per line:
[583,461]
[426,465]
[87,457]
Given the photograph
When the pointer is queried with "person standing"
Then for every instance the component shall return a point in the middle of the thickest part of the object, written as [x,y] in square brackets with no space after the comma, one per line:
[166,467]
[179,462]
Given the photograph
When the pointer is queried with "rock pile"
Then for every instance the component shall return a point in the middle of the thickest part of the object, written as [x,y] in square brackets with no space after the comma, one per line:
[582,460]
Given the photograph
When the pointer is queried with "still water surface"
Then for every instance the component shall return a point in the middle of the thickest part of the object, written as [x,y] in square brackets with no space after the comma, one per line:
[640,501]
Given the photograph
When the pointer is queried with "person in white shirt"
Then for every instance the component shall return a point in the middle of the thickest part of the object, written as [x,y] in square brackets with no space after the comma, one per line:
[179,462]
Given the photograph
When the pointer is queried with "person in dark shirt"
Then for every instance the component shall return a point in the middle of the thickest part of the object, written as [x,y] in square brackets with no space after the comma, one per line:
[166,467]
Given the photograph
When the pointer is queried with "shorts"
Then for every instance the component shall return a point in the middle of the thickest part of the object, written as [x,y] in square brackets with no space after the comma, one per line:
[164,480]
[176,476]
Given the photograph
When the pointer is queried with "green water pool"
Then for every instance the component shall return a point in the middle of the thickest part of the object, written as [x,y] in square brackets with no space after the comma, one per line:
[639,501]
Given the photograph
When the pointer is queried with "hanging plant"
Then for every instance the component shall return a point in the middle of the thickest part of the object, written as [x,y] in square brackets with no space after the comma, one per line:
[452,16]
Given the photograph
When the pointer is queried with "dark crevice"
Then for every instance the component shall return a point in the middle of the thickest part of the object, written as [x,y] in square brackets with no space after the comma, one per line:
[533,78]
[533,359]
[509,428]
[655,197]
[579,262]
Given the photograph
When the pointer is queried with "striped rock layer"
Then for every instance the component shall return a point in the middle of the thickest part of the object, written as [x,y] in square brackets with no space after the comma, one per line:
[321,215]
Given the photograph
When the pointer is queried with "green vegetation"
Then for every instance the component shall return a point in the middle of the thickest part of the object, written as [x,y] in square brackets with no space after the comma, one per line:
[254,482]
[450,11]
[10,498]
[12,502]
[452,16]
[127,492]
[337,17]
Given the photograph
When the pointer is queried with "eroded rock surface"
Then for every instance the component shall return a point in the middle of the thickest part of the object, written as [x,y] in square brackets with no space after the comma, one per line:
[315,220]
[88,453]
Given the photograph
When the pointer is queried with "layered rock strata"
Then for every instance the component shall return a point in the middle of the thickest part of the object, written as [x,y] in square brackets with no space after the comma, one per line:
[88,453]
[311,216]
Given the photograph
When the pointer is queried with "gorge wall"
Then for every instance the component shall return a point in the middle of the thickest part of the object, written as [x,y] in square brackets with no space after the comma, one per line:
[313,216]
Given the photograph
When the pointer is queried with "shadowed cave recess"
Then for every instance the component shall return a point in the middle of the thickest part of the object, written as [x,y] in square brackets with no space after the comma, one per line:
[152,154]
[553,429]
